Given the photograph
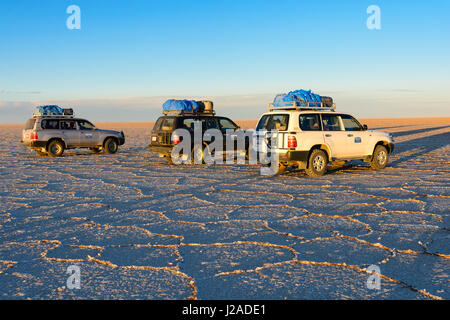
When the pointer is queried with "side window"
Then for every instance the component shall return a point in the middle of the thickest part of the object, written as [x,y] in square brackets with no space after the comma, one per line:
[67,125]
[330,122]
[49,124]
[211,124]
[309,122]
[350,123]
[85,125]
[189,123]
[226,124]
[168,124]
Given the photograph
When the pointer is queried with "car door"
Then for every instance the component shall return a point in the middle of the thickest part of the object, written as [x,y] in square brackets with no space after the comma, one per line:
[88,134]
[357,137]
[228,128]
[70,133]
[311,131]
[335,136]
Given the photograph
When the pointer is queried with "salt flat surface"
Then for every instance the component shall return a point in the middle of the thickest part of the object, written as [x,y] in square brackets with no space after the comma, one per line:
[141,229]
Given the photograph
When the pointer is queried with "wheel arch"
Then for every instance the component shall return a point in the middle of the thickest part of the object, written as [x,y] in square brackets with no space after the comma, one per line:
[384,143]
[56,139]
[322,147]
[109,137]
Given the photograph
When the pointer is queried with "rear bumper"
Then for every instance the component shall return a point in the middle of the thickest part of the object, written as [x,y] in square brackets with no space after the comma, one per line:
[301,156]
[34,144]
[160,149]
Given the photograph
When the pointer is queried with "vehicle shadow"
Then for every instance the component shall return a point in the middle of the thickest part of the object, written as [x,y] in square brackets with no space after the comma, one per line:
[425,145]
[405,133]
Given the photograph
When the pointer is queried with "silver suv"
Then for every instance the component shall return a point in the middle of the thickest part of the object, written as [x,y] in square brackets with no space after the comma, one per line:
[53,134]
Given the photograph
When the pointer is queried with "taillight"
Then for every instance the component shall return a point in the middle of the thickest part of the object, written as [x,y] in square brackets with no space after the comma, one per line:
[292,142]
[33,136]
[175,139]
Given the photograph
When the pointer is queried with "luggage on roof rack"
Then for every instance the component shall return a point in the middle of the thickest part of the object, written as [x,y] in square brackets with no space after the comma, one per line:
[301,99]
[68,112]
[52,111]
[173,106]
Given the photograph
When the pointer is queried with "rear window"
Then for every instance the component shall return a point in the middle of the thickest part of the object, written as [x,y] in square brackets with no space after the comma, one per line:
[270,122]
[30,124]
[158,124]
[168,124]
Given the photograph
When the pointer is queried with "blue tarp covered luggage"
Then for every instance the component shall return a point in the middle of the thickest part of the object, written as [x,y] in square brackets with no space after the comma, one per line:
[182,106]
[282,100]
[48,111]
[302,98]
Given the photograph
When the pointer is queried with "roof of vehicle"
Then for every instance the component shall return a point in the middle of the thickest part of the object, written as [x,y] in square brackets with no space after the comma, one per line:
[192,115]
[58,118]
[284,111]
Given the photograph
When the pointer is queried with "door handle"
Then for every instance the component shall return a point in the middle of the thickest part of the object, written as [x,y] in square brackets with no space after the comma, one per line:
[328,135]
[350,135]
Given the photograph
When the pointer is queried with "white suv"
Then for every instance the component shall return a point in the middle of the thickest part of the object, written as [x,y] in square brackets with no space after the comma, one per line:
[310,139]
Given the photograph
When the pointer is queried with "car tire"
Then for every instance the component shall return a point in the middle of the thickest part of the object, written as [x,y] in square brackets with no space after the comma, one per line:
[55,148]
[317,163]
[199,152]
[281,168]
[168,159]
[380,158]
[111,146]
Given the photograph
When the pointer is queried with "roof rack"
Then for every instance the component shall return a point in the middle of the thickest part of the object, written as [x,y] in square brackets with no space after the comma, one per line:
[58,116]
[314,107]
[180,113]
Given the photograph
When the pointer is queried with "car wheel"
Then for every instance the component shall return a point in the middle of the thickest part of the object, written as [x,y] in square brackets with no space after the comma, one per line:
[281,168]
[380,158]
[111,146]
[168,159]
[317,163]
[198,154]
[55,148]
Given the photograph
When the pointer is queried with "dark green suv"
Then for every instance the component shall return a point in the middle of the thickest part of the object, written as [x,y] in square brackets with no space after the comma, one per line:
[162,140]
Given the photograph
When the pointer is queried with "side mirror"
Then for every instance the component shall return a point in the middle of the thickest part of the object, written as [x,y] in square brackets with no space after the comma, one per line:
[365,126]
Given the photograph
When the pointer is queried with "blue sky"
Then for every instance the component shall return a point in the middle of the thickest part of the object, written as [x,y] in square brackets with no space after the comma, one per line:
[129,56]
